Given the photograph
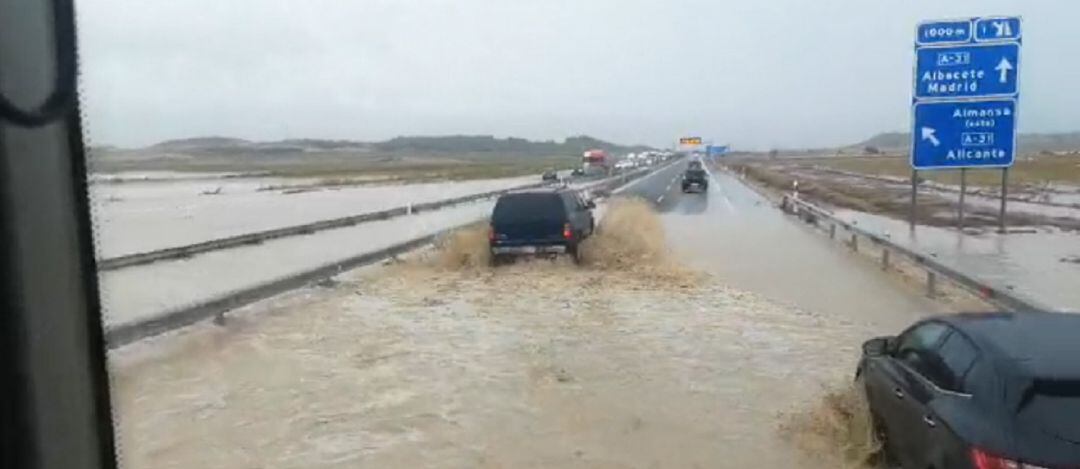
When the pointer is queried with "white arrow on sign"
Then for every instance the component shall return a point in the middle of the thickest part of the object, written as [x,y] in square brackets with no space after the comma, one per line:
[928,134]
[1003,67]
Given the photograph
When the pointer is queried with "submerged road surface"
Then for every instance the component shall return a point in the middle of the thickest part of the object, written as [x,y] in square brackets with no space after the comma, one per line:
[429,364]
[735,233]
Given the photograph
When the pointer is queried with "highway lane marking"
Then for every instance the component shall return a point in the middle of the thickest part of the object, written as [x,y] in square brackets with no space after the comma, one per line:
[651,175]
[660,199]
[730,206]
[723,193]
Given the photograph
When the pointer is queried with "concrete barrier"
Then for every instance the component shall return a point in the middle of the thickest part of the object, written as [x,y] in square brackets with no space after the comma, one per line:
[189,250]
[215,308]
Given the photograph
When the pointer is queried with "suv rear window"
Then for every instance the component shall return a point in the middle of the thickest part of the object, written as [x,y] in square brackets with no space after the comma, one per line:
[526,207]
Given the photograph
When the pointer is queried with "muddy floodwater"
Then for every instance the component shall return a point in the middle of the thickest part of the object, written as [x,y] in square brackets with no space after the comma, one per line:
[442,362]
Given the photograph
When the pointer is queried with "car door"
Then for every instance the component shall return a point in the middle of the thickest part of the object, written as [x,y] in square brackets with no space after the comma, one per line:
[936,381]
[894,386]
[915,420]
[952,406]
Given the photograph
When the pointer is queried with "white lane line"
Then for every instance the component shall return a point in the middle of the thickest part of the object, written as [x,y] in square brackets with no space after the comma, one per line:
[659,199]
[723,193]
[651,175]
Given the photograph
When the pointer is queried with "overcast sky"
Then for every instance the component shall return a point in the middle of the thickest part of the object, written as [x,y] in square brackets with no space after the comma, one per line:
[754,73]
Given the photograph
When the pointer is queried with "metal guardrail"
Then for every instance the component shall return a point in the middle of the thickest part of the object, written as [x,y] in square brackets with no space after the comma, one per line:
[215,308]
[1001,298]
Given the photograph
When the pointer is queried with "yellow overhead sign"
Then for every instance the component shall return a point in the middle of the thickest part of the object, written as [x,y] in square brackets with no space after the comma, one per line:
[690,141]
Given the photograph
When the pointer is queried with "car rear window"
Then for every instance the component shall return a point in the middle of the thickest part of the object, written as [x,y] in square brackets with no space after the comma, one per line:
[524,207]
[697,173]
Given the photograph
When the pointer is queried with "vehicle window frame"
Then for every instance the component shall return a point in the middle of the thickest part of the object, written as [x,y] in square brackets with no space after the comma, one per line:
[910,330]
[579,202]
[961,379]
[570,203]
[922,374]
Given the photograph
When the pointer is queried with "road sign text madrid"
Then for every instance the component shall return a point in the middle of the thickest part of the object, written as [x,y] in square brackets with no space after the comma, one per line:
[965,93]
[967,71]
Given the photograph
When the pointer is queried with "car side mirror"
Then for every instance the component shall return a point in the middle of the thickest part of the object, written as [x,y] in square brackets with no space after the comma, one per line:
[878,346]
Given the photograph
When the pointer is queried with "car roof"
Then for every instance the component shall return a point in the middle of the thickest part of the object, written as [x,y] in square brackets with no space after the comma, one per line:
[1037,344]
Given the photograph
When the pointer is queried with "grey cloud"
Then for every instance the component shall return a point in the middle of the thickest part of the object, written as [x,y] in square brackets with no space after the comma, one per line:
[757,74]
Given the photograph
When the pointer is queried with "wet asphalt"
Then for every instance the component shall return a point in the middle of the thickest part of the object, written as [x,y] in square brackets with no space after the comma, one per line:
[737,235]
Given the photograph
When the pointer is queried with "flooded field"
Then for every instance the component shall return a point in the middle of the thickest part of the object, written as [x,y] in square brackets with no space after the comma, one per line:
[631,360]
[159,212]
[1038,264]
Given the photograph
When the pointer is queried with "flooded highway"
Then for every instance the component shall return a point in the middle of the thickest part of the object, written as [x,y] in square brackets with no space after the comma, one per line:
[736,234]
[686,340]
[1036,259]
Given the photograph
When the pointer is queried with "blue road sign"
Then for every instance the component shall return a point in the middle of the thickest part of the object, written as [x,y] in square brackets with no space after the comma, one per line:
[944,32]
[967,71]
[964,134]
[716,150]
[997,29]
[966,89]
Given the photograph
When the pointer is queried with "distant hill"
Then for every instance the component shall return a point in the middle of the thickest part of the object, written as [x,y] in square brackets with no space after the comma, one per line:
[887,141]
[199,143]
[893,142]
[428,145]
[490,144]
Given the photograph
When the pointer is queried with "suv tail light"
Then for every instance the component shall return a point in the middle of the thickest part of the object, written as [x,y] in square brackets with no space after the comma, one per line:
[983,460]
[567,233]
[491,233]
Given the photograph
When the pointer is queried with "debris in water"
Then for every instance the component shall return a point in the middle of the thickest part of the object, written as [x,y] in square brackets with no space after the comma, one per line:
[836,429]
[630,235]
[464,248]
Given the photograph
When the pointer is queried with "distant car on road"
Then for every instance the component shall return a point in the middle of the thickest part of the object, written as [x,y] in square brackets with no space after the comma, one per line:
[979,391]
[577,172]
[540,223]
[549,176]
[695,179]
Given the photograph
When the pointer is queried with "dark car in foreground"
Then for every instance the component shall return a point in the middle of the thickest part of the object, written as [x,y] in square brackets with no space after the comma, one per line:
[695,179]
[549,176]
[982,391]
[540,223]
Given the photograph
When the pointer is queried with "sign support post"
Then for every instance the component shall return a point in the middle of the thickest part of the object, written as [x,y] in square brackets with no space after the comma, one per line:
[963,191]
[1004,195]
[914,199]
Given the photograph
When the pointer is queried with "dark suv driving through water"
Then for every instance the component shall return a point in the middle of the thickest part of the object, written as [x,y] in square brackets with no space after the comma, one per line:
[695,179]
[540,223]
[980,391]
